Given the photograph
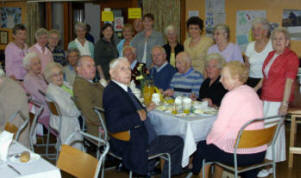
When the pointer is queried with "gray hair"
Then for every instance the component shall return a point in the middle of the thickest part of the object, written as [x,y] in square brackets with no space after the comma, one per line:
[264,22]
[116,61]
[224,28]
[71,50]
[40,32]
[80,25]
[186,57]
[159,47]
[79,62]
[27,59]
[49,68]
[170,28]
[54,31]
[129,47]
[215,56]
[281,30]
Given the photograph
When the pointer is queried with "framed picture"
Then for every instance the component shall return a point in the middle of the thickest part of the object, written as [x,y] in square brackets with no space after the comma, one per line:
[3,37]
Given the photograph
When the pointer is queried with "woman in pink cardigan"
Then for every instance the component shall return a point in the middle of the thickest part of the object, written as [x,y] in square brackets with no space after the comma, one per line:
[240,105]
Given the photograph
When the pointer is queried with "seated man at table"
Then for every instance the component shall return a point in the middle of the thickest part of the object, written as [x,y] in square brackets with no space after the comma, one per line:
[126,115]
[87,94]
[162,72]
[137,68]
[187,81]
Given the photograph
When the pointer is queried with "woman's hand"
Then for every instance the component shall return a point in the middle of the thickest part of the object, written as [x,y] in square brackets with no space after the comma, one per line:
[151,106]
[283,109]
[209,101]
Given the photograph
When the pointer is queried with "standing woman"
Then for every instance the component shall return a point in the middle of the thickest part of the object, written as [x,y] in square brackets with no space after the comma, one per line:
[84,46]
[40,48]
[105,51]
[145,40]
[230,51]
[279,72]
[128,34]
[197,45]
[15,51]
[257,51]
[173,47]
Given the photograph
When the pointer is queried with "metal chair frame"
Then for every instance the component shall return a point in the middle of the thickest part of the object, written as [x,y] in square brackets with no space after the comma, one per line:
[236,146]
[22,127]
[164,156]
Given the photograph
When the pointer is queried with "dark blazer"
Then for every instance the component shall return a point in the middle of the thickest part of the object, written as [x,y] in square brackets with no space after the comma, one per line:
[121,115]
[178,48]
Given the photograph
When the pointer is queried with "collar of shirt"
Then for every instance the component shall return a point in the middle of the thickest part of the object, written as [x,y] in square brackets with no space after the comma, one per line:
[77,41]
[188,72]
[158,69]
[70,67]
[40,48]
[134,64]
[123,86]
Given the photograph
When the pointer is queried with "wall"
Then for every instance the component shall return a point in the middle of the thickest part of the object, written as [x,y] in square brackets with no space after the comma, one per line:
[23,18]
[92,13]
[57,20]
[274,10]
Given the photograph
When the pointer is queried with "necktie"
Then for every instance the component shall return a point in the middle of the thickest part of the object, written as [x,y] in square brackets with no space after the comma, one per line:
[150,130]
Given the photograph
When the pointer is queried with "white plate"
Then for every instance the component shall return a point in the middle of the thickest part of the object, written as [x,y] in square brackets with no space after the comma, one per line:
[33,157]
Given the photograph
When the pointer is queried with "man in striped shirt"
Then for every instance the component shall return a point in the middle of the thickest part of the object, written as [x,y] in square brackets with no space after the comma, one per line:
[187,81]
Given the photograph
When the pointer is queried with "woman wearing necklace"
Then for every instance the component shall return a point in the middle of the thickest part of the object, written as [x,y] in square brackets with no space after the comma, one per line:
[197,44]
[84,46]
[15,51]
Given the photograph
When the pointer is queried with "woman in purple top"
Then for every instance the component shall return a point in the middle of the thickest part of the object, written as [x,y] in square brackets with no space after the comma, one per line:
[34,84]
[15,52]
[230,51]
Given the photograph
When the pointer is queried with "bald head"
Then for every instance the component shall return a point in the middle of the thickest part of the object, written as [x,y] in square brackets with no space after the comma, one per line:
[86,67]
[183,62]
[159,56]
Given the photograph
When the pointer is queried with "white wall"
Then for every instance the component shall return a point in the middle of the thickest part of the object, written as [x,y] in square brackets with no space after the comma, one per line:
[92,17]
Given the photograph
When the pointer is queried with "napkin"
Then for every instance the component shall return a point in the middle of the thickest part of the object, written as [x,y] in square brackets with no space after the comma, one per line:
[5,140]
[135,90]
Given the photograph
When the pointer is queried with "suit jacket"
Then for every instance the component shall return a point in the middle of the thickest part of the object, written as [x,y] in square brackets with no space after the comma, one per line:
[87,95]
[121,115]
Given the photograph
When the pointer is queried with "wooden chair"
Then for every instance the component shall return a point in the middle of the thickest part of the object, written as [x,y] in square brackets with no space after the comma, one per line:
[252,139]
[295,112]
[81,164]
[10,127]
[125,136]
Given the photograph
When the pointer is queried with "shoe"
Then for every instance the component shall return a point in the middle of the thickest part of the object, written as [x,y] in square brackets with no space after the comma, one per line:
[265,172]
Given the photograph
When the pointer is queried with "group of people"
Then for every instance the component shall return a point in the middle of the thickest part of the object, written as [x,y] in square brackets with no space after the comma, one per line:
[204,69]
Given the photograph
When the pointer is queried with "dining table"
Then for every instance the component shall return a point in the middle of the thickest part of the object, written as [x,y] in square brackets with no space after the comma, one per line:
[192,128]
[36,167]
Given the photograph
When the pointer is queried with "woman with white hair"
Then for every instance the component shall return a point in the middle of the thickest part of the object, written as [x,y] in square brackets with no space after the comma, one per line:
[212,89]
[258,50]
[61,92]
[84,46]
[173,47]
[44,54]
[279,73]
[34,84]
[230,51]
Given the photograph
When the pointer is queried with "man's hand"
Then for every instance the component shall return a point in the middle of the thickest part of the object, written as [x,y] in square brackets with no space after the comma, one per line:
[151,106]
[142,114]
[168,92]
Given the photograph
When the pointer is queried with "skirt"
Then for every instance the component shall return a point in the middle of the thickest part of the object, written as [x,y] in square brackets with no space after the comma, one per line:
[271,109]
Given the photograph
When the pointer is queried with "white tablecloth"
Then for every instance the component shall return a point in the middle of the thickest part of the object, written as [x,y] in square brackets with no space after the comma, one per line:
[191,129]
[39,168]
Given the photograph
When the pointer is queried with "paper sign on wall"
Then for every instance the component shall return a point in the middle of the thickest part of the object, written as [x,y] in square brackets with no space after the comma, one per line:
[107,16]
[134,13]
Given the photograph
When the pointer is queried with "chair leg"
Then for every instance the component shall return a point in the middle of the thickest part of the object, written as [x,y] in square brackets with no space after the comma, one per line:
[131,174]
[292,141]
[169,166]
[103,168]
[47,142]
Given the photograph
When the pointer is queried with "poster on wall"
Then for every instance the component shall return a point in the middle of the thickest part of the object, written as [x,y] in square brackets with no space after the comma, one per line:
[243,26]
[118,24]
[292,21]
[215,14]
[10,16]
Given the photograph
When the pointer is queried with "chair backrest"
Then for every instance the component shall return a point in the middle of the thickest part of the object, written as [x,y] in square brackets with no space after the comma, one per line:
[78,163]
[259,137]
[100,112]
[53,107]
[10,127]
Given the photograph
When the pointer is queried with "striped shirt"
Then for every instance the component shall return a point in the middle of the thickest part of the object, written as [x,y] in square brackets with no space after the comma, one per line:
[187,83]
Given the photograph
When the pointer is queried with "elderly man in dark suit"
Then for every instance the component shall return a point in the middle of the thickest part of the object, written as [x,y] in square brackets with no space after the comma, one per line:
[88,94]
[125,114]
